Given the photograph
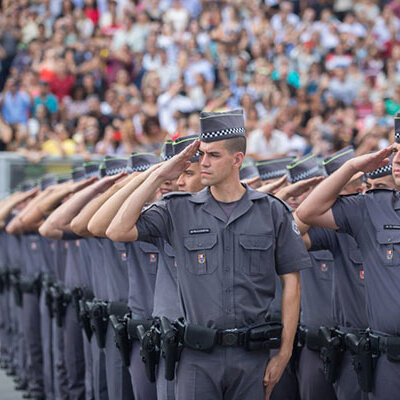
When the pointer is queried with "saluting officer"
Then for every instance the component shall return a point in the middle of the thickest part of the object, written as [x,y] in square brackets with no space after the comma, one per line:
[373,220]
[229,242]
[348,301]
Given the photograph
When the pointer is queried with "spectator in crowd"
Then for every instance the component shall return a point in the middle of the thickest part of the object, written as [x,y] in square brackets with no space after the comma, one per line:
[119,76]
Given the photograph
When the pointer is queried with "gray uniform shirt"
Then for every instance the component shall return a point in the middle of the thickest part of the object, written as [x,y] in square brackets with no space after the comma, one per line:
[227,267]
[166,300]
[142,259]
[316,291]
[373,220]
[348,276]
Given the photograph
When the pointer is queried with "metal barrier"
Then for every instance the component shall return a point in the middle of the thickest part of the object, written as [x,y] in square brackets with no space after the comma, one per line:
[14,169]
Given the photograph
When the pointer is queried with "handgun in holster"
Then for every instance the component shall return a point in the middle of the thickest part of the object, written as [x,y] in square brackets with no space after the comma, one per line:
[84,317]
[99,322]
[365,352]
[121,338]
[60,301]
[76,295]
[133,323]
[332,351]
[16,288]
[171,345]
[150,350]
[2,281]
[48,299]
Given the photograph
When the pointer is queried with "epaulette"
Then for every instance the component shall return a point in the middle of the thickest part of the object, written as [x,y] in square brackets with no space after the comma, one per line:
[175,194]
[290,209]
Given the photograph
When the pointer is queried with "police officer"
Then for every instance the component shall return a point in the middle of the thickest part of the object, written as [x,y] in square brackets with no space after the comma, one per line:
[316,298]
[215,285]
[348,304]
[372,219]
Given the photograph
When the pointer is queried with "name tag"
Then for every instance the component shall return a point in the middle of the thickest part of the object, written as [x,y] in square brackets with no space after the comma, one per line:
[202,230]
[391,227]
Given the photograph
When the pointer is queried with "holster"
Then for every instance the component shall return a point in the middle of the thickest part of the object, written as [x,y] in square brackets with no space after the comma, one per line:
[3,280]
[365,352]
[133,323]
[84,317]
[99,322]
[60,300]
[332,351]
[31,285]
[264,336]
[150,350]
[171,345]
[124,345]
[49,301]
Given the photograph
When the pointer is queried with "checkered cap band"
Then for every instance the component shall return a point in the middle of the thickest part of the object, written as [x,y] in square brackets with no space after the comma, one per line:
[139,168]
[380,172]
[309,173]
[114,171]
[222,134]
[273,174]
[397,128]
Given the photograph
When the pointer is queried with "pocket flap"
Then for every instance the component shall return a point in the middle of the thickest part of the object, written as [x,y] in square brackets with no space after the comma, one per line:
[148,247]
[388,236]
[255,242]
[356,256]
[200,338]
[201,241]
[169,251]
[323,255]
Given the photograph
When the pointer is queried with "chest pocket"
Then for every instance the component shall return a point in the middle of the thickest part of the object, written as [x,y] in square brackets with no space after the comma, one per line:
[256,254]
[150,257]
[324,265]
[355,257]
[389,247]
[201,256]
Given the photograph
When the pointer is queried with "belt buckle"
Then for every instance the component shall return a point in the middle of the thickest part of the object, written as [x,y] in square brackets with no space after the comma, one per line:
[230,338]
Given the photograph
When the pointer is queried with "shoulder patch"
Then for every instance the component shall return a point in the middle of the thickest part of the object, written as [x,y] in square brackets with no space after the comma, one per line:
[176,194]
[288,208]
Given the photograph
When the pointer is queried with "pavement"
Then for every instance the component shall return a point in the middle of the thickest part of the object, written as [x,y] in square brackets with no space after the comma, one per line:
[7,391]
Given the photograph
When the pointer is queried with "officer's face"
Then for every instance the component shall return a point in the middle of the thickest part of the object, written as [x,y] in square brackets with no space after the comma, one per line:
[169,186]
[396,165]
[217,164]
[385,182]
[190,179]
[294,202]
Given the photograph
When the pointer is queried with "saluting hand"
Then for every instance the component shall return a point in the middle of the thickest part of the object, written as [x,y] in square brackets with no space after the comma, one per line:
[273,187]
[174,167]
[298,188]
[370,162]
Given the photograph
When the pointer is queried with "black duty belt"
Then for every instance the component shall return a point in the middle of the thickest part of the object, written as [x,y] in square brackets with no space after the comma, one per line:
[260,337]
[390,346]
[309,337]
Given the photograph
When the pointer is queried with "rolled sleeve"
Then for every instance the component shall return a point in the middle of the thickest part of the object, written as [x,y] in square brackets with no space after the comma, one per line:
[322,239]
[290,253]
[348,213]
[154,222]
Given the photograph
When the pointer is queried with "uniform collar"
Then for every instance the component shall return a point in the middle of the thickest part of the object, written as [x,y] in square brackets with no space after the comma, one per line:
[396,200]
[211,206]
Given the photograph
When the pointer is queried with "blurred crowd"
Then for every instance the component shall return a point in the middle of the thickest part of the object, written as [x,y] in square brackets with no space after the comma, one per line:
[116,76]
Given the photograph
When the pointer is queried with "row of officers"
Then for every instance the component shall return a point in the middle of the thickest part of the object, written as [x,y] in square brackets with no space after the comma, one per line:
[205,276]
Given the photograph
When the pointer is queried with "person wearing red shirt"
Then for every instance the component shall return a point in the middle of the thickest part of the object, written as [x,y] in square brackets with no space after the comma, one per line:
[62,82]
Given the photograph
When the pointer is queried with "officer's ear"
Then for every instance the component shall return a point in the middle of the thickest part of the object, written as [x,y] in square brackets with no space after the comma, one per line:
[238,159]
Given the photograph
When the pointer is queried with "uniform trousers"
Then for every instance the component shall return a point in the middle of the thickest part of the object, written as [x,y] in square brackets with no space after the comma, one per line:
[99,371]
[60,370]
[225,373]
[21,370]
[32,335]
[46,337]
[143,389]
[119,385]
[312,383]
[386,380]
[74,357]
[89,381]
[165,389]
[346,386]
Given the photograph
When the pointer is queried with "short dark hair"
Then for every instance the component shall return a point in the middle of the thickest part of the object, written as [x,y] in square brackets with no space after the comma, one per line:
[236,145]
